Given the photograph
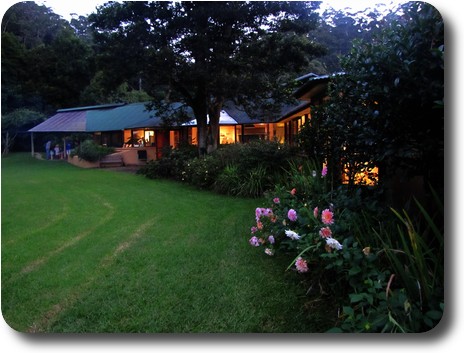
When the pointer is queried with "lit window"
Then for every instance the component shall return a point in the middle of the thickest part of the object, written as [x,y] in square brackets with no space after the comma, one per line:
[365,175]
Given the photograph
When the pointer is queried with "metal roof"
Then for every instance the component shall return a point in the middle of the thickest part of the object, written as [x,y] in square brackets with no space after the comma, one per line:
[114,117]
[117,118]
[73,121]
[91,107]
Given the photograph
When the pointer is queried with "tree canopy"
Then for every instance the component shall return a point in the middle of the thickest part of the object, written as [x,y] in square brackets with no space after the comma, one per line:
[45,66]
[204,53]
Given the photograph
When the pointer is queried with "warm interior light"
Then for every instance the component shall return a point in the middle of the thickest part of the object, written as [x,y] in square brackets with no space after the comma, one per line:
[367,176]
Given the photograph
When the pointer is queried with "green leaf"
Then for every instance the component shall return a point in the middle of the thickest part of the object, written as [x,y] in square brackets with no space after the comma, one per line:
[348,310]
[355,298]
[354,271]
[335,330]
[434,314]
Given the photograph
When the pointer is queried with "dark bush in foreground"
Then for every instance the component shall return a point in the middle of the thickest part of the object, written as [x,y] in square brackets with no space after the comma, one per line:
[91,152]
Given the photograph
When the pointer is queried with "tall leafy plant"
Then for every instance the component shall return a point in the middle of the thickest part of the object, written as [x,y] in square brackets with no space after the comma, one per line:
[387,107]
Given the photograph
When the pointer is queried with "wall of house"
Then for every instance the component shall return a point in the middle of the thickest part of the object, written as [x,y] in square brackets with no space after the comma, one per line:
[82,163]
[137,155]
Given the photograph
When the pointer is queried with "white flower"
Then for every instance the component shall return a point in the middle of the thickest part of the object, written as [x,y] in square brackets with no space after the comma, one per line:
[269,252]
[292,235]
[333,243]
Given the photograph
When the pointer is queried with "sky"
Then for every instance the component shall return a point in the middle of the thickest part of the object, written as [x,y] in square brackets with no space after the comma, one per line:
[84,7]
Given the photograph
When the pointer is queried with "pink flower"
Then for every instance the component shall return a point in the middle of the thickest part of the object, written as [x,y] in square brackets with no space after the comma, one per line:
[325,232]
[276,200]
[327,217]
[254,241]
[324,171]
[254,230]
[301,265]
[293,192]
[267,212]
[316,212]
[271,239]
[292,215]
[258,213]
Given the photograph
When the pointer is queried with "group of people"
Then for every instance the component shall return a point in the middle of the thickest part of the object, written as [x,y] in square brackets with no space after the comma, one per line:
[56,152]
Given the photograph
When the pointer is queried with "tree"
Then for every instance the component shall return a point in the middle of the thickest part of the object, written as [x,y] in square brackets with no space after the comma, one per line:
[338,29]
[204,53]
[18,121]
[387,109]
[45,65]
[60,71]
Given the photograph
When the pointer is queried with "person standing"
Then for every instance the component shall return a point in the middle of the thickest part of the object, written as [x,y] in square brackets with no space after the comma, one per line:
[48,145]
[68,149]
[57,152]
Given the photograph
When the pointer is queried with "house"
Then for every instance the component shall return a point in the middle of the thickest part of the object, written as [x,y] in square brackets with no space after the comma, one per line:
[140,135]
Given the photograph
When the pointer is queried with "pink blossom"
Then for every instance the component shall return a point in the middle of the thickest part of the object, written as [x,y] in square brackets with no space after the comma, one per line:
[271,239]
[293,192]
[254,241]
[292,215]
[267,212]
[276,200]
[258,213]
[324,171]
[301,265]
[316,212]
[327,217]
[254,230]
[325,232]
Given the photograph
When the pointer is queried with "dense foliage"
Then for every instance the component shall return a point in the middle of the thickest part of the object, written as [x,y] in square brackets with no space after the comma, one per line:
[387,107]
[90,151]
[240,169]
[381,271]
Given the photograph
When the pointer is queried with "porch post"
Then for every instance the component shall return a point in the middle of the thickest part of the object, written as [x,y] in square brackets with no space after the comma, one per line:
[32,144]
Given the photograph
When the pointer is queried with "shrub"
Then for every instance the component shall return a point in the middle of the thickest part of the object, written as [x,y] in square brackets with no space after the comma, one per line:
[246,170]
[385,273]
[89,151]
[171,165]
[228,181]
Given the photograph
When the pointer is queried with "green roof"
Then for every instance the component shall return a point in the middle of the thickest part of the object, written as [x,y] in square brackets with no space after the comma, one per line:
[118,118]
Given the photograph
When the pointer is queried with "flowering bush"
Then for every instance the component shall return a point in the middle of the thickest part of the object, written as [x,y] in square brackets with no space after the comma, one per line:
[339,252]
[292,223]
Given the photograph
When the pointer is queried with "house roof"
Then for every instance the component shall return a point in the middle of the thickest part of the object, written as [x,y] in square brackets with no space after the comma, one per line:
[121,116]
[313,87]
[118,118]
[296,111]
[72,121]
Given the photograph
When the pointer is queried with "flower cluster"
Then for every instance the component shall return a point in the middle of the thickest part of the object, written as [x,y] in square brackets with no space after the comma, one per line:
[327,218]
[291,224]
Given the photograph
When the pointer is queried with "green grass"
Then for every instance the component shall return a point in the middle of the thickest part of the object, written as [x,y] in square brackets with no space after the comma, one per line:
[101,251]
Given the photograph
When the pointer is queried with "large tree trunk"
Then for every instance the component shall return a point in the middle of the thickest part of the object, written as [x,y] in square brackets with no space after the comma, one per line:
[202,134]
[214,112]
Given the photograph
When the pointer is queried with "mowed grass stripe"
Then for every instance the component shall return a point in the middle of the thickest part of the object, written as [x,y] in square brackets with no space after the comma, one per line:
[157,256]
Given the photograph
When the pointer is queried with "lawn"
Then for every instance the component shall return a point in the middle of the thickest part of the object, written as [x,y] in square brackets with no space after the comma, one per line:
[104,251]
